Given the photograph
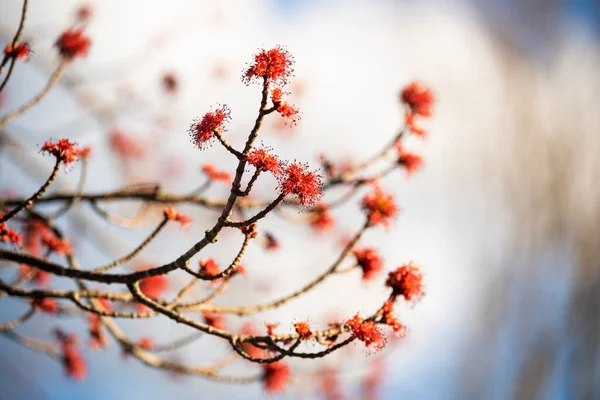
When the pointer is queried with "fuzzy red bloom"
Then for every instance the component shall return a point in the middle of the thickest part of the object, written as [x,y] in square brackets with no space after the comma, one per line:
[203,131]
[146,343]
[72,44]
[406,281]
[85,152]
[330,385]
[19,52]
[40,277]
[369,261]
[322,221]
[380,207]
[274,64]
[173,215]
[60,246]
[209,267]
[239,269]
[250,230]
[217,321]
[46,304]
[303,329]
[215,175]
[418,97]
[125,146]
[276,95]
[276,376]
[105,305]
[388,318]
[410,161]
[367,332]
[249,348]
[270,328]
[8,235]
[289,113]
[297,180]
[64,151]
[154,286]
[263,160]
[410,123]
[72,360]
[98,338]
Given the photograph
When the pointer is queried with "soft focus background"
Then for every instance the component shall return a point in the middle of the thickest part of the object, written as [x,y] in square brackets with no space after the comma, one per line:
[504,218]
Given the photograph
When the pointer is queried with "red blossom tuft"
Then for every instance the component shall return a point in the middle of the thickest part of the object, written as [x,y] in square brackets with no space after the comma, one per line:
[289,113]
[297,180]
[322,221]
[418,97]
[406,281]
[249,348]
[276,95]
[72,360]
[209,267]
[215,175]
[369,261]
[72,44]
[367,332]
[19,52]
[276,376]
[204,130]
[388,318]
[53,243]
[410,123]
[217,321]
[271,328]
[98,338]
[125,146]
[410,161]
[8,235]
[64,151]
[40,277]
[330,385]
[250,230]
[274,64]
[173,215]
[46,304]
[146,343]
[263,160]
[380,207]
[303,329]
[154,286]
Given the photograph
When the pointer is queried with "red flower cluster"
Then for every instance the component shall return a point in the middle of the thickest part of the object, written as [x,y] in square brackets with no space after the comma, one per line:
[276,376]
[217,321]
[367,332]
[410,161]
[209,267]
[98,338]
[296,180]
[53,243]
[72,360]
[322,221]
[45,304]
[19,52]
[203,131]
[72,44]
[215,175]
[390,319]
[262,159]
[369,261]
[407,281]
[9,235]
[64,151]
[271,328]
[275,65]
[418,97]
[249,348]
[173,215]
[146,343]
[276,95]
[124,146]
[289,113]
[303,329]
[154,286]
[380,207]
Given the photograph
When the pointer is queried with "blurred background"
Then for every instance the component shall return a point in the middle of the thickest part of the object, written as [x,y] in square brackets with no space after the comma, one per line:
[504,218]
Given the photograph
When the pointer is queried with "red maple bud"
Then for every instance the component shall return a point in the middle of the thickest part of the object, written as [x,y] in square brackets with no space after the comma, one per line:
[217,321]
[173,215]
[406,281]
[85,152]
[271,242]
[60,246]
[203,131]
[289,113]
[322,220]
[410,123]
[72,44]
[250,230]
[388,318]
[410,161]
[170,83]
[98,338]
[271,328]
[369,261]
[380,207]
[367,332]
[239,269]
[249,348]
[216,175]
[297,180]
[125,146]
[45,304]
[276,376]
[19,52]
[276,95]
[146,343]
[330,385]
[263,160]
[8,235]
[418,97]
[64,151]
[209,267]
[40,277]
[72,360]
[303,329]
[105,305]
[154,286]
[274,64]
